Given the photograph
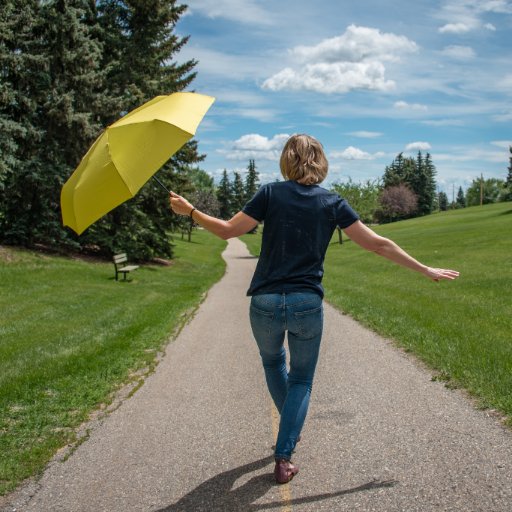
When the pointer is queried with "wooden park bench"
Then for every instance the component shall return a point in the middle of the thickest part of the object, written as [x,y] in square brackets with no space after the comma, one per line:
[119,259]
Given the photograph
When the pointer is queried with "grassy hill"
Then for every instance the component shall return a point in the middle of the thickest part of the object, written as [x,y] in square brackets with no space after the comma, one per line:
[462,329]
[70,335]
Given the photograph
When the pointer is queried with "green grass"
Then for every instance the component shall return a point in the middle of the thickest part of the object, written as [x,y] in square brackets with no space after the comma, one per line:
[70,336]
[462,329]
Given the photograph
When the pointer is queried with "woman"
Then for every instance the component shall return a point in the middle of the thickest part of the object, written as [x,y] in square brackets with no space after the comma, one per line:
[286,290]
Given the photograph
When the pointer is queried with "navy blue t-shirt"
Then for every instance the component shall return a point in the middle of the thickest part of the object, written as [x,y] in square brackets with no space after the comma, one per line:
[299,221]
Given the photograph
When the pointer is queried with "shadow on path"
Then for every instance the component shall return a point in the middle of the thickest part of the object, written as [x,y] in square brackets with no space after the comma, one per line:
[217,493]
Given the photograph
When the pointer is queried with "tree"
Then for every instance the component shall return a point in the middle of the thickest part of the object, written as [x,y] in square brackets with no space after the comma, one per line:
[363,197]
[238,194]
[443,201]
[200,179]
[507,192]
[491,191]
[224,196]
[63,97]
[205,201]
[396,203]
[418,174]
[396,173]
[252,181]
[509,175]
[140,39]
[139,58]
[21,69]
[460,202]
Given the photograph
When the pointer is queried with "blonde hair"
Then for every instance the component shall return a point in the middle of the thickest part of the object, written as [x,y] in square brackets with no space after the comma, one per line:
[303,160]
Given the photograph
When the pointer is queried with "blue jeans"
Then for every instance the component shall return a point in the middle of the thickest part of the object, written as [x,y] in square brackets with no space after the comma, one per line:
[301,314]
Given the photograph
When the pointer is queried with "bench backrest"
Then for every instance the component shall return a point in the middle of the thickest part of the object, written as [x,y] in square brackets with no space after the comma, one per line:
[120,258]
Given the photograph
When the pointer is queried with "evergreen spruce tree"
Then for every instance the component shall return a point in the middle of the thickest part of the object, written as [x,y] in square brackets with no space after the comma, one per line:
[460,202]
[66,98]
[506,193]
[443,201]
[224,196]
[140,46]
[428,193]
[21,68]
[238,194]
[394,174]
[509,175]
[252,181]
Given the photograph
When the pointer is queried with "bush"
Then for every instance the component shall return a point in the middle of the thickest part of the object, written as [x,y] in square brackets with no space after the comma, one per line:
[396,203]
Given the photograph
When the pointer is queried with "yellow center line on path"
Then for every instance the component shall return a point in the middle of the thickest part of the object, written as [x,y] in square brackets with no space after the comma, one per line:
[286,493]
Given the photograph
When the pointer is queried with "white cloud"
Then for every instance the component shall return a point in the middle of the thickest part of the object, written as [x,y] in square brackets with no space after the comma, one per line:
[506,82]
[245,11]
[497,6]
[365,135]
[454,28]
[341,64]
[463,16]
[472,154]
[443,122]
[502,143]
[339,77]
[357,44]
[459,52]
[256,146]
[352,153]
[403,105]
[418,146]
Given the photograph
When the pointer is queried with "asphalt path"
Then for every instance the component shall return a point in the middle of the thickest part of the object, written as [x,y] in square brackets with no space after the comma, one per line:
[198,435]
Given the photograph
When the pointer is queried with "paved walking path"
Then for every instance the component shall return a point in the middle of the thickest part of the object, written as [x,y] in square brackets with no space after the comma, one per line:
[380,436]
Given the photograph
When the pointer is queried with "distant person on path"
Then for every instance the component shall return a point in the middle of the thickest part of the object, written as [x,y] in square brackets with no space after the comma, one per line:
[286,292]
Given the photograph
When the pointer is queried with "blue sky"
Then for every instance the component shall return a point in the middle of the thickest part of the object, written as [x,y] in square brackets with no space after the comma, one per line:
[369,79]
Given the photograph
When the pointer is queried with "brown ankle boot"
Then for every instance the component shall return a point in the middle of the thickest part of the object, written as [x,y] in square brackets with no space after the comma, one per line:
[284,471]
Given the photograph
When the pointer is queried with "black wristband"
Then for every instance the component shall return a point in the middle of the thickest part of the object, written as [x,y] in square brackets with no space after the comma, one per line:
[191,212]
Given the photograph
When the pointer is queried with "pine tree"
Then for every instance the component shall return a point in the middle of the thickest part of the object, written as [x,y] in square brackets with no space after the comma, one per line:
[67,96]
[428,193]
[140,46]
[224,196]
[238,194]
[506,193]
[394,174]
[21,68]
[443,201]
[141,42]
[251,181]
[460,202]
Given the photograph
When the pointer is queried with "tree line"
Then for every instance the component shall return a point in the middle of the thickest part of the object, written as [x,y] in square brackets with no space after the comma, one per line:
[69,68]
[408,189]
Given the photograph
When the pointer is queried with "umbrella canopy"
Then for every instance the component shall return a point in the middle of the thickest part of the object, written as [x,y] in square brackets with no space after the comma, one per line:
[127,154]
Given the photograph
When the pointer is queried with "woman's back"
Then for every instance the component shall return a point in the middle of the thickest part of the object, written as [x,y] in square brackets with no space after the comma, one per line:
[299,223]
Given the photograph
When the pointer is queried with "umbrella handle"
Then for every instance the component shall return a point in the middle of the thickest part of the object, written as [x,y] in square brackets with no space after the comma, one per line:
[161,184]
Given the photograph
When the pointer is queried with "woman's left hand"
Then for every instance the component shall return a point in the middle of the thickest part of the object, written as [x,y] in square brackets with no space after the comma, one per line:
[179,204]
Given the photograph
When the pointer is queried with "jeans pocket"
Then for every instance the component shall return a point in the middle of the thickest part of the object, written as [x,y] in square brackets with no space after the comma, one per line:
[309,323]
[261,321]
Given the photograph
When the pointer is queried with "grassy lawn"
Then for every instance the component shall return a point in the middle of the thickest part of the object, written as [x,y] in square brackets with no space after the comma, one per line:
[70,335]
[462,329]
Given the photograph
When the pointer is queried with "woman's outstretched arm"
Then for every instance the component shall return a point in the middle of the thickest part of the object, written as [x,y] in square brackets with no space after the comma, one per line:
[371,241]
[238,225]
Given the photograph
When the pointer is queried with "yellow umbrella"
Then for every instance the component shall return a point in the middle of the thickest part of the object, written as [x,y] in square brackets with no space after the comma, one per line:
[127,154]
